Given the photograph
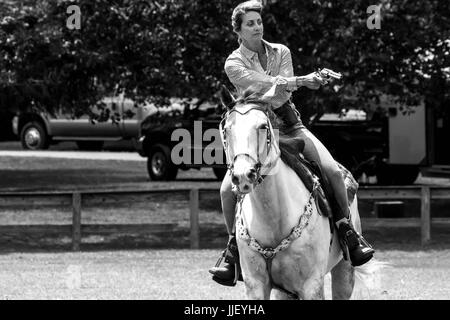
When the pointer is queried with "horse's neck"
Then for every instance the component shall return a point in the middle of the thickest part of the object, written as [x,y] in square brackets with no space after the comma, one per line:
[276,205]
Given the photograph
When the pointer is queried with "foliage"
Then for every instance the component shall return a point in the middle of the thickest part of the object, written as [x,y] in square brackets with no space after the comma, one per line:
[156,49]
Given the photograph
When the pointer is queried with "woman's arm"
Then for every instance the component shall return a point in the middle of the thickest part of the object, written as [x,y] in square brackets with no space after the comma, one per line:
[311,81]
[240,75]
[287,69]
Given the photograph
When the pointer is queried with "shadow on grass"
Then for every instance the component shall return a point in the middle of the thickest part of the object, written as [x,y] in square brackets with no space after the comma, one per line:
[212,236]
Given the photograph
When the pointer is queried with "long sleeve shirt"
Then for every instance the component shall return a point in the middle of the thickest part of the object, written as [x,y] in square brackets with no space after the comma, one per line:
[244,69]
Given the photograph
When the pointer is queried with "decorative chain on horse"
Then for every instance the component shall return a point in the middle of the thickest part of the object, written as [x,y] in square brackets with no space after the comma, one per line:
[268,252]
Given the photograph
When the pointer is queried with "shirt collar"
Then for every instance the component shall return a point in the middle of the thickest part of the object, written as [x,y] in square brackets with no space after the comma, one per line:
[249,53]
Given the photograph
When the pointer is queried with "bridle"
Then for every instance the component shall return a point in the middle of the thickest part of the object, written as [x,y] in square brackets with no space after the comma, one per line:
[270,143]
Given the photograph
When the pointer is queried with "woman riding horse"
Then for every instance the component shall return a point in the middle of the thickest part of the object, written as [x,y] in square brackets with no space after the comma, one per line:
[257,61]
[286,246]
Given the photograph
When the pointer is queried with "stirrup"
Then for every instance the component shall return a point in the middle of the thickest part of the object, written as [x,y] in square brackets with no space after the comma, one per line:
[343,241]
[230,283]
[231,256]
[362,239]
[344,249]
[364,255]
[222,256]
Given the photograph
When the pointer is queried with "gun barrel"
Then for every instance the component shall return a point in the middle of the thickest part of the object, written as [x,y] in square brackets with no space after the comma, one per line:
[330,73]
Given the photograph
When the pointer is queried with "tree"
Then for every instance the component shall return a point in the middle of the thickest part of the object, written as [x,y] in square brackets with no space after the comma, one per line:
[394,59]
[158,49]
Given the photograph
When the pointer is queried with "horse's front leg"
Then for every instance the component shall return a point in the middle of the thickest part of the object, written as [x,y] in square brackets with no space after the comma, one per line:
[254,272]
[313,288]
[342,280]
[256,289]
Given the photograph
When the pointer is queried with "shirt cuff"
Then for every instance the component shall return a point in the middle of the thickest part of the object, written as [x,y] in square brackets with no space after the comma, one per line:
[292,83]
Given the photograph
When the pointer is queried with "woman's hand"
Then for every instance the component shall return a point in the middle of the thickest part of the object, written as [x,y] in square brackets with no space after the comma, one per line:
[312,81]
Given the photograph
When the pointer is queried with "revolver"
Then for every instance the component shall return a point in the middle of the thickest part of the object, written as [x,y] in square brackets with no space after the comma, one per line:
[327,74]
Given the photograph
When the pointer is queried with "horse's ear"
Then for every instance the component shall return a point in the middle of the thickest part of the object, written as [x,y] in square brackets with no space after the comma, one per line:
[226,98]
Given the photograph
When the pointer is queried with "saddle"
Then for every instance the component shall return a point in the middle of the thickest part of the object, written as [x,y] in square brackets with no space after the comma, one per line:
[291,153]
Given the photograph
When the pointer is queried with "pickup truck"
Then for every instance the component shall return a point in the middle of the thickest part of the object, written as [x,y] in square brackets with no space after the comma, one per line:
[193,119]
[362,145]
[37,130]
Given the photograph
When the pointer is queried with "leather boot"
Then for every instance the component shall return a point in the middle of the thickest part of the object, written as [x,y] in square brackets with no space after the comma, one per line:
[359,249]
[230,273]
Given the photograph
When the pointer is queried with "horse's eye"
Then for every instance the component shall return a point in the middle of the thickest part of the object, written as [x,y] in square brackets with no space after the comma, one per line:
[264,126]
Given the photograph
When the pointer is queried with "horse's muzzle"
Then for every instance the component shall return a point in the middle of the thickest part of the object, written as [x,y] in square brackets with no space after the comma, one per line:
[244,176]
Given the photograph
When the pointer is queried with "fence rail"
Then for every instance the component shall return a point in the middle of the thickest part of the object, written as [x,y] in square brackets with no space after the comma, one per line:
[193,197]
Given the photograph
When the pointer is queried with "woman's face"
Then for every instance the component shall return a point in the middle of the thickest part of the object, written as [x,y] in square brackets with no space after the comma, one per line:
[252,27]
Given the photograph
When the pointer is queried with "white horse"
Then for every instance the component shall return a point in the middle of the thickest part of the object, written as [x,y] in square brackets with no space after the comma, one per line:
[283,242]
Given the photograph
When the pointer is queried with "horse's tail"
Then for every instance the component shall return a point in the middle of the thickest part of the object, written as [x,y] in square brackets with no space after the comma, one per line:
[368,284]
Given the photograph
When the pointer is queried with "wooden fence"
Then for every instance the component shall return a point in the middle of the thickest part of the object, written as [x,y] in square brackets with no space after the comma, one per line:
[423,193]
[77,200]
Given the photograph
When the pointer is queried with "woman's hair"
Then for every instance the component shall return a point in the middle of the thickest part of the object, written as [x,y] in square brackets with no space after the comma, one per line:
[241,9]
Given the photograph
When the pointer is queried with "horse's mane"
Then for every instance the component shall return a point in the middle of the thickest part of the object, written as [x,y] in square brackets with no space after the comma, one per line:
[254,95]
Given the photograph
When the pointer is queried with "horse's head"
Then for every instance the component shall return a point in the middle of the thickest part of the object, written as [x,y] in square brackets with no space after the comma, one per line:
[249,138]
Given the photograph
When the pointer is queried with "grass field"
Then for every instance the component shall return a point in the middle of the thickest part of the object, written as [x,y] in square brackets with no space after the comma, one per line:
[124,266]
[182,274]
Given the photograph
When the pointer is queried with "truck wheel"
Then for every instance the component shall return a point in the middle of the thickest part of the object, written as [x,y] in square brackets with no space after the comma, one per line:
[34,137]
[220,172]
[90,145]
[159,164]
